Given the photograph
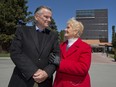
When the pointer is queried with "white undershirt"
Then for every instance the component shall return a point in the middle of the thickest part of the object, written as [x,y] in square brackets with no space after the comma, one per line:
[71,41]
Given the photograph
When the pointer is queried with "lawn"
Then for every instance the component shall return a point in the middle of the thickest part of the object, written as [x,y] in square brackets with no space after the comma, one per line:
[4,54]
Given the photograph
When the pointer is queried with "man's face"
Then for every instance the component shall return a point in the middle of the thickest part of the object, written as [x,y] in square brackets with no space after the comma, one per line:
[43,18]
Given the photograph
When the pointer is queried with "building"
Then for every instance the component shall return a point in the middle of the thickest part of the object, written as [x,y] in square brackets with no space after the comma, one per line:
[95,23]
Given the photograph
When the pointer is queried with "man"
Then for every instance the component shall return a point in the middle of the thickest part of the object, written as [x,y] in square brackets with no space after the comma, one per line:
[30,52]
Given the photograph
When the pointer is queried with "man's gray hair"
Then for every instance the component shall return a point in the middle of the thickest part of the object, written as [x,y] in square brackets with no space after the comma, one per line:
[41,7]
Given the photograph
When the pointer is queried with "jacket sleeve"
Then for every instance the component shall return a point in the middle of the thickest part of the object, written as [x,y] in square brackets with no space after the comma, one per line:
[50,69]
[22,61]
[79,67]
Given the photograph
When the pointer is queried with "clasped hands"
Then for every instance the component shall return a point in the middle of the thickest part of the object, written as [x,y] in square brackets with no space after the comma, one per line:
[40,76]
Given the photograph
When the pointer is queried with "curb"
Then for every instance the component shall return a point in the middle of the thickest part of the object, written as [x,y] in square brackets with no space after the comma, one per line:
[3,58]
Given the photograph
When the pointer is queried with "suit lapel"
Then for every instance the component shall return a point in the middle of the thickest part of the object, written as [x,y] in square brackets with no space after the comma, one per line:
[35,37]
[45,39]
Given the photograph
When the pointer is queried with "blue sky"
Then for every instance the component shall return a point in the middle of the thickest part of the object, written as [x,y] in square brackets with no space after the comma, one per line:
[65,9]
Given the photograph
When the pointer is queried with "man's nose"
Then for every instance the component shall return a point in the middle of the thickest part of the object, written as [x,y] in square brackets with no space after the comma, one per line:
[49,19]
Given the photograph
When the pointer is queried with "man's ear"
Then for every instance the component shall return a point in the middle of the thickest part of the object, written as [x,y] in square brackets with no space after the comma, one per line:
[35,16]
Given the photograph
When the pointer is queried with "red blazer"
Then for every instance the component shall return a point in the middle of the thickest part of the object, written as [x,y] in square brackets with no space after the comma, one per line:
[74,65]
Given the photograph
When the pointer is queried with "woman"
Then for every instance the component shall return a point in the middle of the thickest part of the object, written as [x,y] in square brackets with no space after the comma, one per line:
[75,58]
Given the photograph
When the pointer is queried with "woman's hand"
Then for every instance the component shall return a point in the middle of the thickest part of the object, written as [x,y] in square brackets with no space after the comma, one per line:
[54,59]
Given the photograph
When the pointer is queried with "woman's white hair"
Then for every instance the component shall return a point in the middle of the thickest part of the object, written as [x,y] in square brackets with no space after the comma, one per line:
[76,25]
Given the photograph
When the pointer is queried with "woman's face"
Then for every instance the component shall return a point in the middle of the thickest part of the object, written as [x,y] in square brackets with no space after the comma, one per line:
[69,32]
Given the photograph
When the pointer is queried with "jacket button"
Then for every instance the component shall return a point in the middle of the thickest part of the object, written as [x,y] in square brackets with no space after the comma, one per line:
[39,59]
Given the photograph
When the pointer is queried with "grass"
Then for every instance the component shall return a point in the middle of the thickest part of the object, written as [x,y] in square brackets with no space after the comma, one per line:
[4,54]
[111,55]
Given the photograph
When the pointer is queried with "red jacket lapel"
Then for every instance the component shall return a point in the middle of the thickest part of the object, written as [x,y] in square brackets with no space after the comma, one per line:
[71,50]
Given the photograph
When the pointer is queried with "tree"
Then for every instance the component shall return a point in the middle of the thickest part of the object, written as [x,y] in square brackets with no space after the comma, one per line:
[53,25]
[11,12]
[62,36]
[114,41]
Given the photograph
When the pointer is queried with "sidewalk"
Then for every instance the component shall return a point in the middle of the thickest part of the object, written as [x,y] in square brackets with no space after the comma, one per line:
[102,58]
[96,58]
[4,57]
[102,71]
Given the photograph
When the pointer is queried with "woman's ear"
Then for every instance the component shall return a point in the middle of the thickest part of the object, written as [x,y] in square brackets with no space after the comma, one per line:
[75,33]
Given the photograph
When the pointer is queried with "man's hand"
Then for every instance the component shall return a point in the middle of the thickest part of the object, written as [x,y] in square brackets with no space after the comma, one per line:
[54,59]
[40,76]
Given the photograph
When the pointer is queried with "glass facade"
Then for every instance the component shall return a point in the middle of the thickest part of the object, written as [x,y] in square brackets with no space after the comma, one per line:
[95,24]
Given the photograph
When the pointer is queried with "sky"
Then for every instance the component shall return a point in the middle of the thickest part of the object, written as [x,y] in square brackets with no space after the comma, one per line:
[63,10]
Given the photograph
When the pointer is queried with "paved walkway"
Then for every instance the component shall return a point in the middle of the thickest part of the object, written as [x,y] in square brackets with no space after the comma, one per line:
[102,71]
[102,58]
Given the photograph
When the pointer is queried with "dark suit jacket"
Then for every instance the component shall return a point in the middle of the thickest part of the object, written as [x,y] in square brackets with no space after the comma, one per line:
[28,56]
